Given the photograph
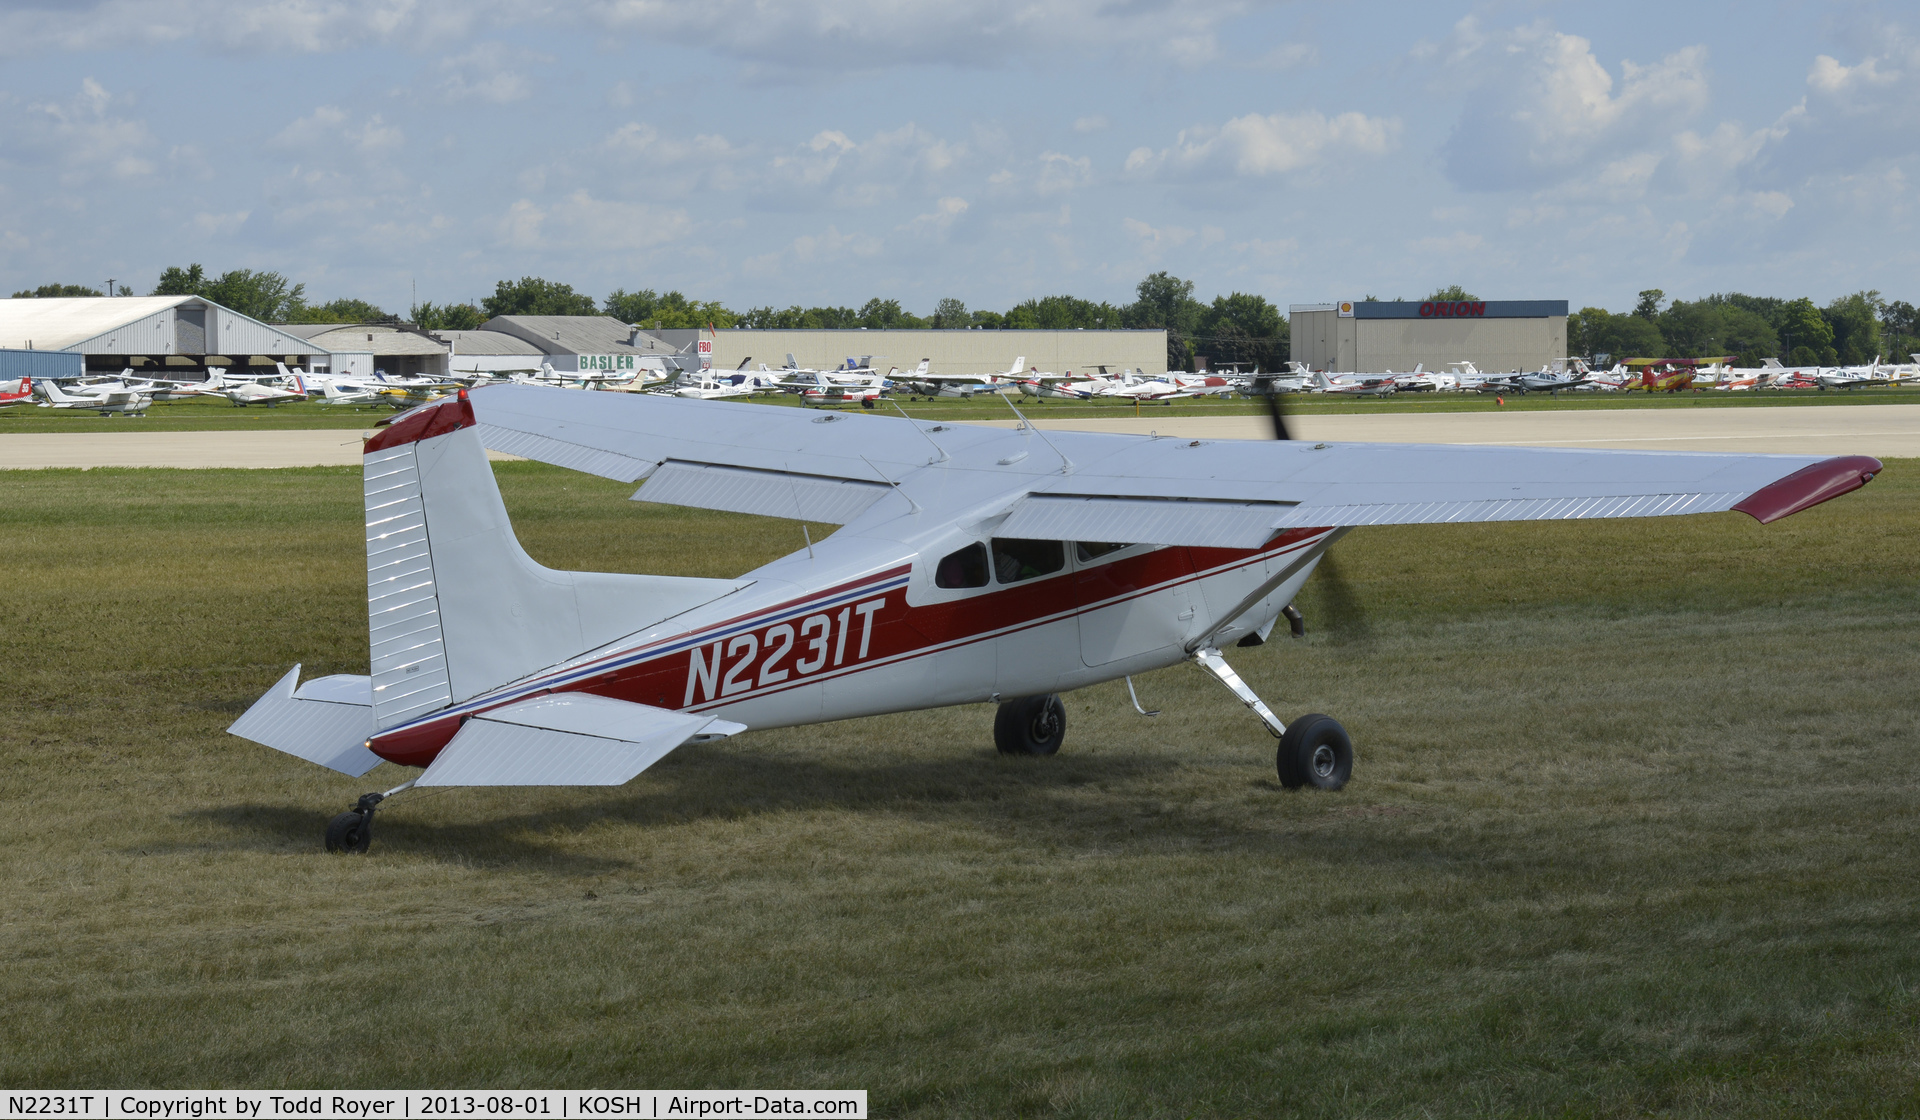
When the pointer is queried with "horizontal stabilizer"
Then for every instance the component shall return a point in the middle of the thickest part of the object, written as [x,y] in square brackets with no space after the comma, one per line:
[569,739]
[326,720]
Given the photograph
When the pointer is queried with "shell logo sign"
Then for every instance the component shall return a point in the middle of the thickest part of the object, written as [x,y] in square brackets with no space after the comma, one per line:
[1346,309]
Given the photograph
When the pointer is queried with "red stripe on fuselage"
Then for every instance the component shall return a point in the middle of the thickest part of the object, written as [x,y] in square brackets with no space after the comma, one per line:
[898,632]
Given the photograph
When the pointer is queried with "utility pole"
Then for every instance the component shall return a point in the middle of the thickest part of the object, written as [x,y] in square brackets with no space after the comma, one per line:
[109,287]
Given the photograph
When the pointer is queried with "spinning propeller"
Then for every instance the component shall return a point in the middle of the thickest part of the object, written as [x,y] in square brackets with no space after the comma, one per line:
[1344,613]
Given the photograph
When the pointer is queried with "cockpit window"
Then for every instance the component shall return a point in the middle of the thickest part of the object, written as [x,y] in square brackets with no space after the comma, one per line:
[1015,559]
[1094,550]
[965,568]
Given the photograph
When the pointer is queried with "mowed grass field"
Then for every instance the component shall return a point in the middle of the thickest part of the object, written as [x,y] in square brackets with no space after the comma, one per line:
[1632,832]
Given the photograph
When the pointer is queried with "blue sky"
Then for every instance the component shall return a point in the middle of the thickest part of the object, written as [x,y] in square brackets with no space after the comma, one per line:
[992,150]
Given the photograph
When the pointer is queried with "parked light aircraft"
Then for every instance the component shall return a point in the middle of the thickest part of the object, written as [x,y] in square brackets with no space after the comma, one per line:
[16,392]
[259,392]
[922,381]
[108,400]
[975,564]
[1358,386]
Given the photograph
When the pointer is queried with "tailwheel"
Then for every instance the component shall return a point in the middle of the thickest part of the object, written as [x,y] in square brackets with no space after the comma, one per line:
[1315,751]
[1030,725]
[351,833]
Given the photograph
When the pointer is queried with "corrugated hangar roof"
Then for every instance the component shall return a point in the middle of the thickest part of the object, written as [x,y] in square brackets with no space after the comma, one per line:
[578,334]
[487,342]
[55,324]
[378,339]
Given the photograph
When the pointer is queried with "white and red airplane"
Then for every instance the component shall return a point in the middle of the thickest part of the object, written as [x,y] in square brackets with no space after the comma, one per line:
[16,392]
[1360,385]
[974,565]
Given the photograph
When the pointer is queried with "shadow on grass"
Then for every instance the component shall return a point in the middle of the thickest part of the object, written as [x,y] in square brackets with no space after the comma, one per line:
[1109,804]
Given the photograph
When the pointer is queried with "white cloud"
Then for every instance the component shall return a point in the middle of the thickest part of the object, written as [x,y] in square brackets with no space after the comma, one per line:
[1059,172]
[1543,110]
[1095,123]
[796,38]
[83,137]
[938,221]
[488,74]
[1259,145]
[581,221]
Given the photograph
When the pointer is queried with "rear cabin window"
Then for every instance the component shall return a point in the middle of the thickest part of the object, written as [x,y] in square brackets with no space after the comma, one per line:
[1094,550]
[965,568]
[1015,559]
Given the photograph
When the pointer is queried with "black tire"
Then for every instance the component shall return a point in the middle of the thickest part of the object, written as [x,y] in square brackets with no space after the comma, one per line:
[1033,725]
[1315,752]
[350,833]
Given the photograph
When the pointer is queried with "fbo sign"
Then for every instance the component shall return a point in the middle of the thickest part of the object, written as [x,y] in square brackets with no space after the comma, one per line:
[706,353]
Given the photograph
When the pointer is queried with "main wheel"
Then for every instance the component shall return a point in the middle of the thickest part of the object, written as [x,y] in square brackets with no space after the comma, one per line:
[350,832]
[1315,752]
[1030,725]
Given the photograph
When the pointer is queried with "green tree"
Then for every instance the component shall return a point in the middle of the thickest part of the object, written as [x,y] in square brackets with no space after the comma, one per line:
[266,296]
[1900,330]
[58,291]
[1576,337]
[672,311]
[1855,320]
[1649,304]
[885,314]
[950,314]
[340,311]
[446,317]
[797,318]
[1242,329]
[989,320]
[1713,328]
[1166,301]
[1619,336]
[530,295]
[1802,327]
[1453,293]
[1065,313]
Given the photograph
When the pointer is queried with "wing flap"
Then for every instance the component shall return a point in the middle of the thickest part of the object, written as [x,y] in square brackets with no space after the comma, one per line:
[567,739]
[325,721]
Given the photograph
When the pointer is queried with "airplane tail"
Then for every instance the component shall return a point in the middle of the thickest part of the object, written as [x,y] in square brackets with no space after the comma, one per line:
[55,394]
[1322,380]
[457,608]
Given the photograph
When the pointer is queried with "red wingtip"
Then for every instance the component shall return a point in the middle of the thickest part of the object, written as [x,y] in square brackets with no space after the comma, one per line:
[424,423]
[1809,486]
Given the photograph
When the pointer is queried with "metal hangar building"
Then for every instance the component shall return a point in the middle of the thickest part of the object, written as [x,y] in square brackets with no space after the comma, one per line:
[1376,336]
[951,351]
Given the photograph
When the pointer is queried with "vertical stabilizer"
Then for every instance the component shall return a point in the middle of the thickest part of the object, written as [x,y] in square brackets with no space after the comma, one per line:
[455,607]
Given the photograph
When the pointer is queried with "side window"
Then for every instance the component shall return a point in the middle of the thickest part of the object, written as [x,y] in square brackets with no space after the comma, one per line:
[1015,559]
[1094,550]
[965,568]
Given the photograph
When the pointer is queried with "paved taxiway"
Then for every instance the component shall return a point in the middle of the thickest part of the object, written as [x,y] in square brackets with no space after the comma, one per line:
[1884,430]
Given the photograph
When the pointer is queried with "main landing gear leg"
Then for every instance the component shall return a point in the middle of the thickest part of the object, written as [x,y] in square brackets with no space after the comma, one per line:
[351,832]
[1314,751]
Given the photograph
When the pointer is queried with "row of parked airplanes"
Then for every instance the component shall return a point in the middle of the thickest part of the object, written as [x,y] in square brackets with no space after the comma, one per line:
[858,382]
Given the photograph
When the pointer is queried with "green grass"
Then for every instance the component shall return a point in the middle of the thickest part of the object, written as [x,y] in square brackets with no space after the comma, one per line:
[1633,832]
[195,416]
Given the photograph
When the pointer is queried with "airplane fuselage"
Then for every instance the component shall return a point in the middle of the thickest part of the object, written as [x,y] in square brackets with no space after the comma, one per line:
[884,638]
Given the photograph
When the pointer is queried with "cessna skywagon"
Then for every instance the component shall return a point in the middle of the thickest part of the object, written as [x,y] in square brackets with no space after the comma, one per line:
[975,565]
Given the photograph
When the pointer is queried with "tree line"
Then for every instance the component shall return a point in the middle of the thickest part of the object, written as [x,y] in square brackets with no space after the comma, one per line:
[1239,328]
[1849,331]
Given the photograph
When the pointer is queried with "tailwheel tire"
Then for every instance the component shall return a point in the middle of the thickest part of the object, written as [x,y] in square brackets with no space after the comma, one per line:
[1315,752]
[1032,725]
[350,833]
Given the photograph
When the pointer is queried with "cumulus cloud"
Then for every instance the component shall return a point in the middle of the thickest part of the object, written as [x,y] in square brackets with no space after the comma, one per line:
[1259,145]
[86,136]
[794,37]
[1849,115]
[489,73]
[1544,110]
[581,221]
